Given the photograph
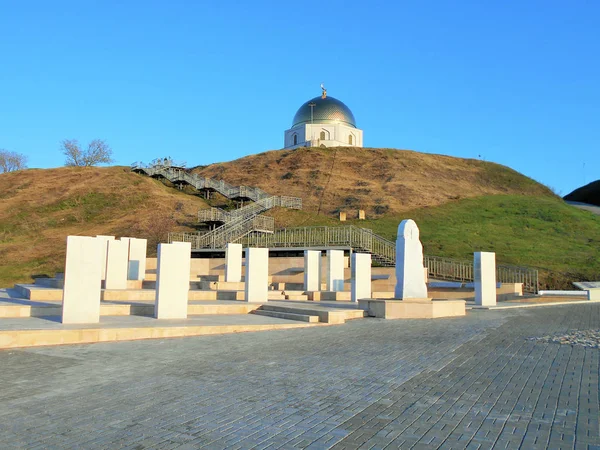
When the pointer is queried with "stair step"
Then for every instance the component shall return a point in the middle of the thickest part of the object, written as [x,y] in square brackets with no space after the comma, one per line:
[287,315]
[336,315]
[296,297]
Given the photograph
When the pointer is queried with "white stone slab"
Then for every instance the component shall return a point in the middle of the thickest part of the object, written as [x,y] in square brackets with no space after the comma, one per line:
[559,293]
[137,259]
[117,257]
[484,272]
[585,285]
[410,276]
[361,276]
[83,270]
[312,270]
[103,253]
[257,275]
[172,280]
[335,271]
[233,263]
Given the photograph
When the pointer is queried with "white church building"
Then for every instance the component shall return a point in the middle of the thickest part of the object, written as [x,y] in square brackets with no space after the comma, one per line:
[323,122]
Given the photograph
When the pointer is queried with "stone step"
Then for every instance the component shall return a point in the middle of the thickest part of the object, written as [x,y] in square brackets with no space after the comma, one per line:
[38,309]
[333,315]
[296,297]
[47,294]
[287,315]
[32,332]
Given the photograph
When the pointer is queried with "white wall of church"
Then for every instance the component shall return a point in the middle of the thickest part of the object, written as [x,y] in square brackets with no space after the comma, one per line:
[327,134]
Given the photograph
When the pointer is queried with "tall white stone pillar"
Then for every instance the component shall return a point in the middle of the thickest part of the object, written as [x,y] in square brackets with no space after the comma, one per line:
[83,271]
[484,268]
[233,263]
[257,275]
[117,257]
[137,259]
[410,276]
[103,247]
[172,280]
[361,276]
[312,270]
[335,270]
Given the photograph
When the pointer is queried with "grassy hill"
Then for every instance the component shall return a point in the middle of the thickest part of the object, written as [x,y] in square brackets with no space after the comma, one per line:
[381,181]
[534,231]
[461,206]
[590,193]
[39,208]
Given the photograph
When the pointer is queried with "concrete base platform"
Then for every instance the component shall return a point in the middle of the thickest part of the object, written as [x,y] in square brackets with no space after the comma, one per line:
[11,308]
[412,308]
[33,332]
[49,294]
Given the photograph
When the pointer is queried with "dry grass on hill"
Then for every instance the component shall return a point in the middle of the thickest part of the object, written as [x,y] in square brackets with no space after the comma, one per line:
[39,208]
[381,181]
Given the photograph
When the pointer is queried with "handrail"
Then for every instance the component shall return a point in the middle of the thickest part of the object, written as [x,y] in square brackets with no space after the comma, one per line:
[382,250]
[177,174]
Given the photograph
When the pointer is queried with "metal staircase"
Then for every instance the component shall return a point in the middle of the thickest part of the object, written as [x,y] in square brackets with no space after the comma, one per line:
[264,204]
[235,224]
[180,176]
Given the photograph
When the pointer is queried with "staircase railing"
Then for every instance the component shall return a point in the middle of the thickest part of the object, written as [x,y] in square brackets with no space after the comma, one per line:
[383,251]
[180,175]
[264,204]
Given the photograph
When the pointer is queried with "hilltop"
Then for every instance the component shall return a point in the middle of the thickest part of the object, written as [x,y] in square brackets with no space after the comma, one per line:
[590,194]
[39,208]
[380,181]
[461,205]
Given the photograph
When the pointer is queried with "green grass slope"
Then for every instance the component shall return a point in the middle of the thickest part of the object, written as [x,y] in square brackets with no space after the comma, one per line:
[541,232]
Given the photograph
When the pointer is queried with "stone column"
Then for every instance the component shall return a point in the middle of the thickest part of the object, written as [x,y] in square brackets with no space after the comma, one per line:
[104,239]
[83,271]
[361,276]
[335,270]
[257,275]
[410,276]
[172,280]
[312,270]
[233,263]
[137,259]
[116,264]
[484,268]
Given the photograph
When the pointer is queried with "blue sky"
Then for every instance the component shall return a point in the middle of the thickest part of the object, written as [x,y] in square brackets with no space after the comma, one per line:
[514,82]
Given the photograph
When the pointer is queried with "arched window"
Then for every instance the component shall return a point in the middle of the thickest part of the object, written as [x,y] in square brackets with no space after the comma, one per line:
[350,139]
[323,135]
[295,139]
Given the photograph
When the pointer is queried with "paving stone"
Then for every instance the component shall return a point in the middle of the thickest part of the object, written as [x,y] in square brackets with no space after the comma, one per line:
[480,381]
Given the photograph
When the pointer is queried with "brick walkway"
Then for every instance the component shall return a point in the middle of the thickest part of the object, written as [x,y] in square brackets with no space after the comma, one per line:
[473,382]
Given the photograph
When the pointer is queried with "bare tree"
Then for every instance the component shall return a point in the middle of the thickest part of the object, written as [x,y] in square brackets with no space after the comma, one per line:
[98,152]
[11,161]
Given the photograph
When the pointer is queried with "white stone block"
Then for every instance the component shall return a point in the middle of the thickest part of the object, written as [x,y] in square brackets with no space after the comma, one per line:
[410,276]
[104,239]
[361,276]
[312,270]
[116,264]
[484,271]
[137,259]
[233,263]
[335,270]
[83,271]
[172,280]
[257,275]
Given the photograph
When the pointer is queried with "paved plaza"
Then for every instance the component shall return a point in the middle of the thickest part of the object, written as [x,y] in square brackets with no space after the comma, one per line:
[470,382]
